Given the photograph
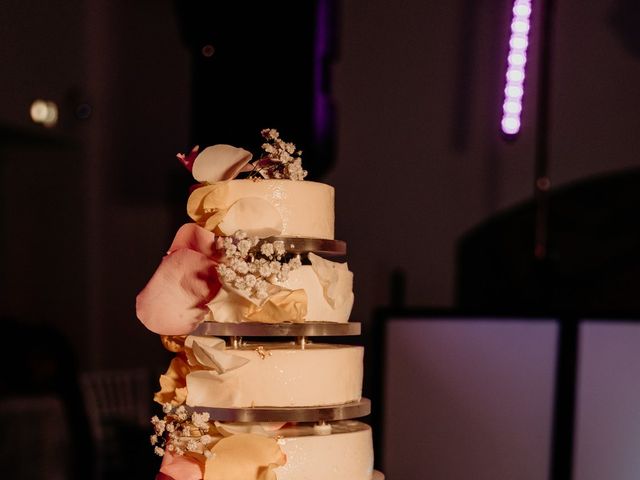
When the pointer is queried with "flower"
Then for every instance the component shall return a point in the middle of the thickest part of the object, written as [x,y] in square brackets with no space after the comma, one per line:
[246,456]
[200,420]
[278,161]
[187,160]
[173,384]
[248,263]
[181,467]
[220,163]
[174,301]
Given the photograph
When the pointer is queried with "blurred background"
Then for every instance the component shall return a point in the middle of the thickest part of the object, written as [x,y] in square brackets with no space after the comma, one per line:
[396,104]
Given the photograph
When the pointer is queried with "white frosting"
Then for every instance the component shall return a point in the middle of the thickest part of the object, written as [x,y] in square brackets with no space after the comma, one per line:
[329,289]
[281,375]
[339,456]
[306,208]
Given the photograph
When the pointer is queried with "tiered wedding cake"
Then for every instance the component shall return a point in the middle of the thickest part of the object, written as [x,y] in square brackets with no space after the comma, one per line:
[255,265]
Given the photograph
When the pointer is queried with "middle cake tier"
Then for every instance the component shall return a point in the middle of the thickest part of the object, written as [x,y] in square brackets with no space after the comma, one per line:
[271,374]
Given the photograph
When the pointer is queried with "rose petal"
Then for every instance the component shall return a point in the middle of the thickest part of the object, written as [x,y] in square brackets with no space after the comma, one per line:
[228,307]
[231,305]
[187,160]
[254,215]
[181,467]
[208,204]
[193,237]
[220,162]
[284,306]
[174,301]
[211,352]
[244,456]
[173,383]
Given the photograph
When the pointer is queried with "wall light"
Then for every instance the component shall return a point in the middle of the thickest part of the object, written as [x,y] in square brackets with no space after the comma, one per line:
[44,112]
[516,62]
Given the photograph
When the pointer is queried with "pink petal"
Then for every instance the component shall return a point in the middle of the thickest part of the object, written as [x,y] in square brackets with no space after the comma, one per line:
[187,160]
[179,467]
[174,301]
[193,237]
[220,162]
[162,476]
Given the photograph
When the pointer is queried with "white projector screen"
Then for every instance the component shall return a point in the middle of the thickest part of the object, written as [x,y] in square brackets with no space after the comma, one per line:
[468,398]
[608,402]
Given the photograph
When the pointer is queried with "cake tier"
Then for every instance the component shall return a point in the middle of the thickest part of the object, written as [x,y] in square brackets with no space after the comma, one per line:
[306,208]
[345,454]
[265,208]
[274,375]
[328,297]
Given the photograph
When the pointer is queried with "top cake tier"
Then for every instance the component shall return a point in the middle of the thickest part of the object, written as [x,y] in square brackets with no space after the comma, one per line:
[265,207]
[249,256]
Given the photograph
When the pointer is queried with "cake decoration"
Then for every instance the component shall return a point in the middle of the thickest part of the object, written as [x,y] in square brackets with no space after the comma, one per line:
[211,353]
[174,301]
[194,447]
[279,160]
[220,162]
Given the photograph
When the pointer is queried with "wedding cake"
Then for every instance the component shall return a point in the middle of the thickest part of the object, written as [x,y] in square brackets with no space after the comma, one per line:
[241,399]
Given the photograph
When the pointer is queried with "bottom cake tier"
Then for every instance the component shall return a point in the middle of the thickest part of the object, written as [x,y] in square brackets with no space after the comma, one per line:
[344,454]
[341,450]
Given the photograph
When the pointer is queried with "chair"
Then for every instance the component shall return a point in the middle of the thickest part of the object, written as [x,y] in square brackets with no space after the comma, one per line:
[118,407]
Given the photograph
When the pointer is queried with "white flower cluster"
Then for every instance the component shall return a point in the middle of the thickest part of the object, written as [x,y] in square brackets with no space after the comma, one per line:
[179,433]
[251,269]
[281,159]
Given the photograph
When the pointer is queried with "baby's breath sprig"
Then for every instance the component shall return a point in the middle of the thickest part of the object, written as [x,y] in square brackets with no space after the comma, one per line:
[180,433]
[251,265]
[280,159]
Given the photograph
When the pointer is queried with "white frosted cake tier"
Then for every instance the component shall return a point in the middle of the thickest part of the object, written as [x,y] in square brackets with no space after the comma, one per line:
[275,375]
[305,208]
[345,454]
[328,295]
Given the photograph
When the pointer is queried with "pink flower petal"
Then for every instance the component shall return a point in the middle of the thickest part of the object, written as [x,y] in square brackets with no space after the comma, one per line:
[244,456]
[187,160]
[180,467]
[174,301]
[193,237]
[162,476]
[220,162]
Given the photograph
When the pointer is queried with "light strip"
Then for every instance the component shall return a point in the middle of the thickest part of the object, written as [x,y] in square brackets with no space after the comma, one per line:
[516,61]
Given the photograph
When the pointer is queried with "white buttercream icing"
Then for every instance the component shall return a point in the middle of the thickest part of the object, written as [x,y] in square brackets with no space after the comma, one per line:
[305,208]
[346,454]
[256,216]
[282,375]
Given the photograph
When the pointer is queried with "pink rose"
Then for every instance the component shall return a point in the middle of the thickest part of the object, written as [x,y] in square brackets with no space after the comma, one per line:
[174,301]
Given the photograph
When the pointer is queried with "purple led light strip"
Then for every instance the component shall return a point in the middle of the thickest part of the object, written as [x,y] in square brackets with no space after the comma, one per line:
[516,60]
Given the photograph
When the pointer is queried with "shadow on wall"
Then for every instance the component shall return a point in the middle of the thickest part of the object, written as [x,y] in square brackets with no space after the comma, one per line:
[593,261]
[624,18]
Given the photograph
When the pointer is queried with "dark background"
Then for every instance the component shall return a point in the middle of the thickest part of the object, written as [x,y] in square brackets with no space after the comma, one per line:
[396,104]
